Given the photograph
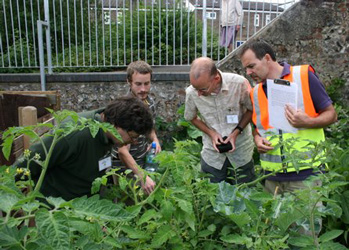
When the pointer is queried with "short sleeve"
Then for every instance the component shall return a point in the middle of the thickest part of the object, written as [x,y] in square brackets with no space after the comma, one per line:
[320,98]
[245,95]
[190,111]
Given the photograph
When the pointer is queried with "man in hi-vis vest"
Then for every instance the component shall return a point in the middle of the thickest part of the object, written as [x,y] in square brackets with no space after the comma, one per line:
[314,112]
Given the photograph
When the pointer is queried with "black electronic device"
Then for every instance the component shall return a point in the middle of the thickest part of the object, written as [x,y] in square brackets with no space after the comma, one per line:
[224,147]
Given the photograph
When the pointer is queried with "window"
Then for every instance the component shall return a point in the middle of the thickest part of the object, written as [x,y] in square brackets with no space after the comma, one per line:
[211,15]
[238,43]
[256,20]
[106,17]
[267,19]
[119,17]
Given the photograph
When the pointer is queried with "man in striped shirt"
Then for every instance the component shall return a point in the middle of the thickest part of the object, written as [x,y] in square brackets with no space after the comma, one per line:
[133,155]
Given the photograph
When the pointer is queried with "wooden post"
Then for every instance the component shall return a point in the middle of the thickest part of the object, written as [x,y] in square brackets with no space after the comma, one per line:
[27,116]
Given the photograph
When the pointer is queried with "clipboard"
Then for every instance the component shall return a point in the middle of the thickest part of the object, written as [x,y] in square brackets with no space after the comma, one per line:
[280,93]
[282,82]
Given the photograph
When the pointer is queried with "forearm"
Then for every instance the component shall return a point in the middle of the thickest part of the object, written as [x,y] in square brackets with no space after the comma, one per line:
[245,119]
[129,162]
[153,136]
[197,122]
[324,119]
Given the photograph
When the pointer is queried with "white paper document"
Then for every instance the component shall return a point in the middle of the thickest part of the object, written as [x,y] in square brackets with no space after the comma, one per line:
[278,96]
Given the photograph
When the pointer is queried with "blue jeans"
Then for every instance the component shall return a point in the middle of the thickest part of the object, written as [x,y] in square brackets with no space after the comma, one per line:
[228,173]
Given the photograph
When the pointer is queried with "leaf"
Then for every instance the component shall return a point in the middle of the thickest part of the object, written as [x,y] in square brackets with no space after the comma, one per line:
[286,219]
[190,219]
[112,242]
[252,209]
[57,202]
[53,228]
[7,146]
[344,201]
[330,235]
[7,201]
[332,246]
[101,209]
[240,219]
[302,241]
[12,236]
[167,209]
[261,196]
[94,128]
[92,230]
[212,227]
[134,233]
[185,206]
[164,233]
[204,233]
[237,239]
[147,216]
[332,209]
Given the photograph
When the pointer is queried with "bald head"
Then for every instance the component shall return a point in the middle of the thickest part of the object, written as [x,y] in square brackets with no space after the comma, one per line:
[202,66]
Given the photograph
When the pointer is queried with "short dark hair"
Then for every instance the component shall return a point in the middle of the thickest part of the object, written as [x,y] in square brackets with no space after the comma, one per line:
[131,114]
[260,48]
[203,65]
[138,66]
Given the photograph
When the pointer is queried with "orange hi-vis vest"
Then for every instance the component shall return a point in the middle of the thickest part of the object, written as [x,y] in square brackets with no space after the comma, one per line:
[275,160]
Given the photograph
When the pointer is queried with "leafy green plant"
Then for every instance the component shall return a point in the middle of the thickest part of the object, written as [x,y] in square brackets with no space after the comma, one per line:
[185,211]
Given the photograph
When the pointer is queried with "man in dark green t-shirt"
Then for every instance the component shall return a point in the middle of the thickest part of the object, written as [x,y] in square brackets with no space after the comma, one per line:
[78,158]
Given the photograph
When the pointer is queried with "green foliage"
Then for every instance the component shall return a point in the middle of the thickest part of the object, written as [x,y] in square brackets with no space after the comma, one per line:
[180,130]
[185,211]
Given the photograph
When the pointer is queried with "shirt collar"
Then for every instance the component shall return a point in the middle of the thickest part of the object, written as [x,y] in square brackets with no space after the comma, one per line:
[224,86]
[286,70]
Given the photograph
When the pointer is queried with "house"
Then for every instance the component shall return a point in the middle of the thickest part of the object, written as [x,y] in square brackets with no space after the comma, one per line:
[256,15]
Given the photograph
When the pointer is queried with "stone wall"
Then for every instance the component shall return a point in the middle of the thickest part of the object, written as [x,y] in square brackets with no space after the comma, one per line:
[310,32]
[81,92]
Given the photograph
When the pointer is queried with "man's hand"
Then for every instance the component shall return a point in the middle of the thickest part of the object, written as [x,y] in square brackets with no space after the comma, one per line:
[232,139]
[158,148]
[263,145]
[297,118]
[237,27]
[148,186]
[216,138]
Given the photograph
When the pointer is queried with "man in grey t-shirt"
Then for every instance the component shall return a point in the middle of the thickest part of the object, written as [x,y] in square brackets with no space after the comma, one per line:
[224,105]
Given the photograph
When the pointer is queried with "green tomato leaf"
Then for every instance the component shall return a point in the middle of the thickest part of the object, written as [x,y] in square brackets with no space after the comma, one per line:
[164,234]
[53,228]
[134,233]
[147,216]
[167,209]
[330,235]
[102,209]
[302,241]
[7,201]
[12,237]
[237,239]
[7,146]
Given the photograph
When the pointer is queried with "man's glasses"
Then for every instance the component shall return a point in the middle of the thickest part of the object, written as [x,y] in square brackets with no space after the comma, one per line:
[133,138]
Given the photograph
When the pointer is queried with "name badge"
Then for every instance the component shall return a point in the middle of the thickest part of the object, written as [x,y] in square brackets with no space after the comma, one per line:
[104,163]
[232,119]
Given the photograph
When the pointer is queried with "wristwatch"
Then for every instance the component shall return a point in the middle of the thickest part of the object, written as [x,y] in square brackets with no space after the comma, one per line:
[239,128]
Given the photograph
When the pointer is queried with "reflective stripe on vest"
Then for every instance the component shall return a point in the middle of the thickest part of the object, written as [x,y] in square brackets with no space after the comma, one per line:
[272,160]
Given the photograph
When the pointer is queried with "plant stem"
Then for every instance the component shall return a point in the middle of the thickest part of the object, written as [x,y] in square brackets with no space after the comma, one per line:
[46,162]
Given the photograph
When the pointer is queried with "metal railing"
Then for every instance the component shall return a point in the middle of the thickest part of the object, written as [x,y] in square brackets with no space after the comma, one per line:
[95,34]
